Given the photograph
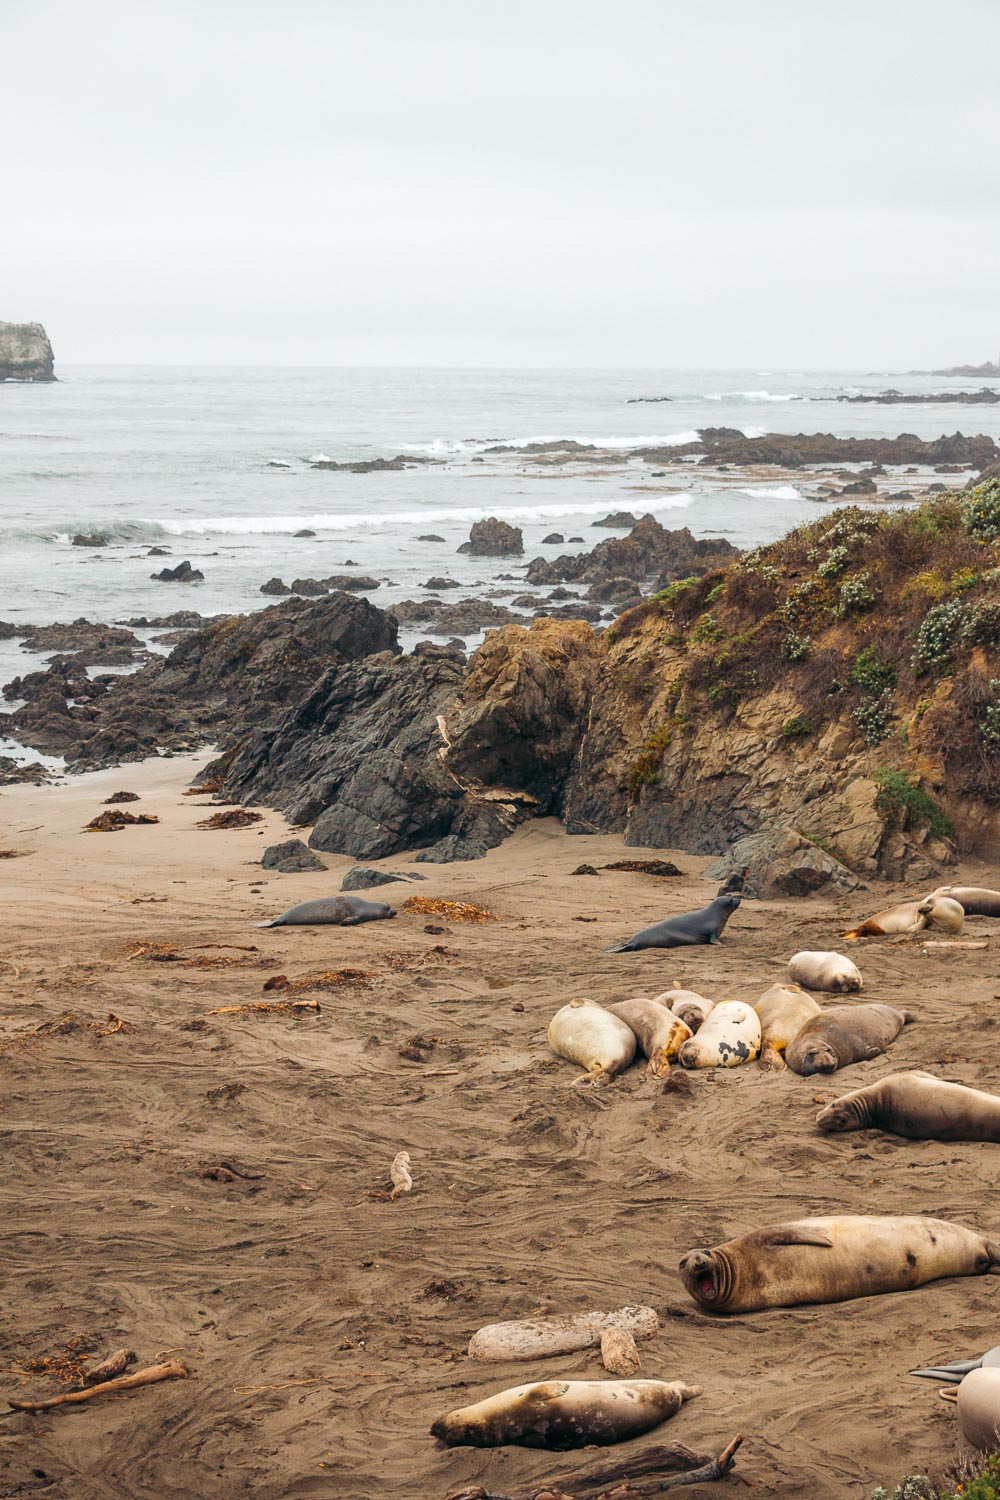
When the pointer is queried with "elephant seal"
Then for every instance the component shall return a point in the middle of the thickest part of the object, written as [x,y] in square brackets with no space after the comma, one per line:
[844,1034]
[687,929]
[783,1009]
[824,971]
[730,1036]
[979,1408]
[332,911]
[831,1260]
[917,1106]
[588,1034]
[561,1414]
[659,1032]
[975,900]
[688,1006]
[913,916]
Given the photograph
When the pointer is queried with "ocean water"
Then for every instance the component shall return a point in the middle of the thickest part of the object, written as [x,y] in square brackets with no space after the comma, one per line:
[215,465]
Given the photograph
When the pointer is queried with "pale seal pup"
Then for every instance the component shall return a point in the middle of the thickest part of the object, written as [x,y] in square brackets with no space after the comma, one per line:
[975,900]
[688,1006]
[730,1036]
[831,1260]
[783,1009]
[561,1414]
[941,912]
[686,929]
[332,911]
[979,1409]
[588,1034]
[917,1106]
[824,971]
[658,1031]
[844,1034]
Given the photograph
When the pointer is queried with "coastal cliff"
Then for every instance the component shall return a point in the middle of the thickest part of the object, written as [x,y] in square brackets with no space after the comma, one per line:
[25,352]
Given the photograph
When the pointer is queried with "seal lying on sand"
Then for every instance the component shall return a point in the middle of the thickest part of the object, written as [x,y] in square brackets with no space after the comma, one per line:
[917,1106]
[844,1034]
[824,971]
[941,912]
[730,1036]
[561,1414]
[705,926]
[332,911]
[974,900]
[659,1032]
[588,1034]
[783,1009]
[690,1007]
[979,1408]
[830,1260]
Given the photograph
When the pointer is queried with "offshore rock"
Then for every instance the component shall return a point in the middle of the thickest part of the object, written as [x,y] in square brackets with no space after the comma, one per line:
[649,554]
[493,538]
[25,352]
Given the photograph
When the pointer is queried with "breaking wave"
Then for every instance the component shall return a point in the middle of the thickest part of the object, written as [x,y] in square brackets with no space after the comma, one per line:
[771,492]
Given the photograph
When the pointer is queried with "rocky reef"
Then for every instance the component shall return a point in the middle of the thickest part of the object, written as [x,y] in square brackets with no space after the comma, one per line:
[25,352]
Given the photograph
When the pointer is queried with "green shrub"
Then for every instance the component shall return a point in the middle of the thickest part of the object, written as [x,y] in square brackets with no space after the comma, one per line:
[936,636]
[795,728]
[645,769]
[835,562]
[796,647]
[913,1487]
[855,593]
[872,671]
[982,511]
[873,717]
[706,629]
[673,591]
[900,801]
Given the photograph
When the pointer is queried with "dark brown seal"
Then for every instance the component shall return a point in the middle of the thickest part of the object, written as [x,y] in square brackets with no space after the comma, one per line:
[918,1106]
[844,1034]
[832,1259]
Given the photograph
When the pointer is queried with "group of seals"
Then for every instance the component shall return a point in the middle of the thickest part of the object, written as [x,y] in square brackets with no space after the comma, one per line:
[831,1260]
[938,910]
[332,911]
[917,1106]
[685,930]
[562,1414]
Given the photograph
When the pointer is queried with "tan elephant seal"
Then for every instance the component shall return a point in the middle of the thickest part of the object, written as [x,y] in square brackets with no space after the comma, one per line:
[979,1409]
[690,1007]
[588,1034]
[975,900]
[730,1036]
[659,1032]
[917,1106]
[844,1034]
[831,1260]
[824,971]
[783,1009]
[561,1414]
[939,912]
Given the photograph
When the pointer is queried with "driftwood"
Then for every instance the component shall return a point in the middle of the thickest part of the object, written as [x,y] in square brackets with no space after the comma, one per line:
[115,1364]
[670,1465]
[171,1369]
[962,943]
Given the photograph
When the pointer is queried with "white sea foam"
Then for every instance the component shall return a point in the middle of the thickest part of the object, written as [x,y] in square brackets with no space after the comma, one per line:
[771,492]
[753,396]
[455,447]
[355,520]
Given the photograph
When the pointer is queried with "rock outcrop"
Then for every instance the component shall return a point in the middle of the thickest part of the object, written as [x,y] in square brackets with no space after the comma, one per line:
[25,352]
[493,538]
[649,555]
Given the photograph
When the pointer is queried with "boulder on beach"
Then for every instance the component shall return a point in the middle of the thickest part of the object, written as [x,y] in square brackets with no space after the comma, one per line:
[293,857]
[365,878]
[493,538]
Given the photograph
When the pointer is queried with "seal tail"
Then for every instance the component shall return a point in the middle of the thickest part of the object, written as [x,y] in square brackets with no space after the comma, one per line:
[274,922]
[625,947]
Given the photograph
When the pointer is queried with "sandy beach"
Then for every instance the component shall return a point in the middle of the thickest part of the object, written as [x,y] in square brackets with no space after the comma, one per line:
[326,1327]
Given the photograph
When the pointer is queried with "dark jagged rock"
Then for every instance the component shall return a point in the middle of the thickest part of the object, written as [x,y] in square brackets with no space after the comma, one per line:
[984,397]
[450,651]
[91,539]
[430,537]
[620,520]
[80,636]
[780,862]
[359,583]
[293,857]
[792,451]
[25,353]
[648,553]
[554,539]
[463,617]
[304,532]
[364,878]
[441,583]
[990,368]
[218,683]
[158,552]
[183,573]
[180,619]
[275,587]
[373,465]
[493,538]
[13,774]
[576,611]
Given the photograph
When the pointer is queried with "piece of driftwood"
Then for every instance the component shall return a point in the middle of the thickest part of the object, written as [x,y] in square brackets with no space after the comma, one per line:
[961,943]
[535,1338]
[266,1007]
[400,1175]
[618,1352]
[115,1364]
[670,1465]
[171,1369]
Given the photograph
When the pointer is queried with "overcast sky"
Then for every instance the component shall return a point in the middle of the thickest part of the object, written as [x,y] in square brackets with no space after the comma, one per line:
[719,183]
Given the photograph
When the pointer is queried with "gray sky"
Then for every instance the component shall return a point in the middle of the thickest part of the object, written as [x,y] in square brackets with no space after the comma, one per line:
[719,183]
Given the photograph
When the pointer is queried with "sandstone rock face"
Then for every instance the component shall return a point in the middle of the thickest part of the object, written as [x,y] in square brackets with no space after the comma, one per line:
[25,352]
[780,862]
[493,538]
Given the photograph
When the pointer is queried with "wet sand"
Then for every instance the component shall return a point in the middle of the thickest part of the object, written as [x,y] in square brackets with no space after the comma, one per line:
[326,1327]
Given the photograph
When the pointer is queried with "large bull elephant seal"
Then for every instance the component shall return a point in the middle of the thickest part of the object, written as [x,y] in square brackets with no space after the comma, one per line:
[975,900]
[332,911]
[917,1106]
[844,1034]
[831,1260]
[561,1414]
[686,930]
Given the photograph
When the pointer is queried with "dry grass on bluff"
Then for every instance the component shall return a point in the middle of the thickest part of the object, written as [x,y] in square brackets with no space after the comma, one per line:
[889,621]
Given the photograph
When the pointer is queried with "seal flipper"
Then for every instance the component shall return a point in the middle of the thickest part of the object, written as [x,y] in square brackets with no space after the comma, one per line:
[274,922]
[620,947]
[546,1390]
[791,1234]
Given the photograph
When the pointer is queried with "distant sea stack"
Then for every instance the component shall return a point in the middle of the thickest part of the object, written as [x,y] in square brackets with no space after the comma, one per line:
[25,352]
[991,370]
